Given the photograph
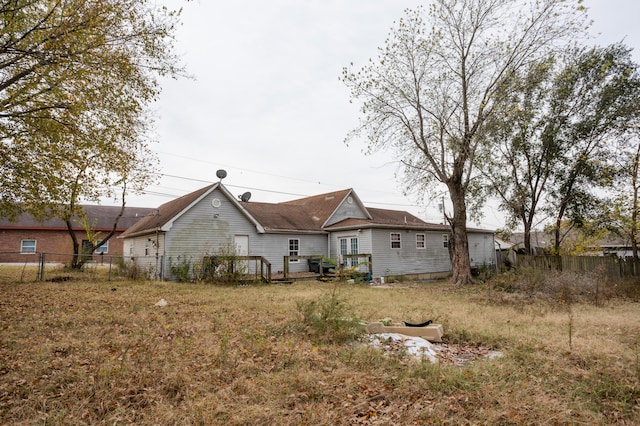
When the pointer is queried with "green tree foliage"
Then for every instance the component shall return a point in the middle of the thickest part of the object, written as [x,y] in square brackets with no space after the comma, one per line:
[438,80]
[520,158]
[623,206]
[554,138]
[594,101]
[76,78]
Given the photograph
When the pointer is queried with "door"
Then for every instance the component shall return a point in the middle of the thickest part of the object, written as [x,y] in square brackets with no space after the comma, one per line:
[349,245]
[241,242]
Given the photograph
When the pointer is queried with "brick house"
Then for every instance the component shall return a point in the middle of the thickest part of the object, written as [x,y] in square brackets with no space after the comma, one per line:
[21,240]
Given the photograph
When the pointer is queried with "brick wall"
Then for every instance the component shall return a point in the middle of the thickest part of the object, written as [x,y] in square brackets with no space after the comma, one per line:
[47,241]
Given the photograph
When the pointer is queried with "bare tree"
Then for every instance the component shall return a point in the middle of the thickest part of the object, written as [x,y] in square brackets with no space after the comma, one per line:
[436,82]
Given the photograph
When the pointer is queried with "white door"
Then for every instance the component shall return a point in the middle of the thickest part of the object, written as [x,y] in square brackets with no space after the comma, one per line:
[241,243]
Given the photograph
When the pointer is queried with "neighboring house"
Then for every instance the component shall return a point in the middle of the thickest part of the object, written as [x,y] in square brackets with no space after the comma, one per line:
[199,224]
[26,236]
[541,242]
[505,253]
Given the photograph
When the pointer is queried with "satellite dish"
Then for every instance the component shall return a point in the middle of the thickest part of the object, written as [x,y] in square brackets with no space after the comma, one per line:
[221,174]
[245,197]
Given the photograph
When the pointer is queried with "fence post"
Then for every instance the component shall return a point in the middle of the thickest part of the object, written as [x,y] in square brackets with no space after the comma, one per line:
[285,267]
[41,268]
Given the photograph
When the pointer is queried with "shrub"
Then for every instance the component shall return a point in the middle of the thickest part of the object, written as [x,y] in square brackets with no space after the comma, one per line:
[331,318]
[224,266]
[181,269]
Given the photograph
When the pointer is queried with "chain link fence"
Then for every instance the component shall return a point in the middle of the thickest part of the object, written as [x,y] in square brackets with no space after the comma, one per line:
[57,267]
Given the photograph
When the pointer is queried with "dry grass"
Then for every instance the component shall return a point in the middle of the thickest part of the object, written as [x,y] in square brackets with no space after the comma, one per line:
[83,352]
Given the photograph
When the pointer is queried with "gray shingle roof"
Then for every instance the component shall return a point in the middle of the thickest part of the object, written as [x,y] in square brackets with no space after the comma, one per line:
[308,214]
[100,217]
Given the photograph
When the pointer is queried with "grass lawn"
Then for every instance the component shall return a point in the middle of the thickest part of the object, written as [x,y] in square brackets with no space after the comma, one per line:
[87,352]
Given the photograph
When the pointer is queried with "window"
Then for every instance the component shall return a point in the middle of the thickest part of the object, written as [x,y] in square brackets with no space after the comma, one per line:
[395,240]
[87,246]
[420,241]
[354,250]
[343,246]
[445,240]
[294,249]
[103,249]
[28,246]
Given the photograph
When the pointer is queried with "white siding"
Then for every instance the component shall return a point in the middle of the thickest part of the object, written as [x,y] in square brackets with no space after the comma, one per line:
[275,247]
[482,249]
[147,256]
[204,230]
[347,210]
[408,259]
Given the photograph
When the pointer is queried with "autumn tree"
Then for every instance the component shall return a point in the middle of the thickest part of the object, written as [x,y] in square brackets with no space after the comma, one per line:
[76,80]
[523,151]
[623,208]
[595,100]
[438,79]
[553,138]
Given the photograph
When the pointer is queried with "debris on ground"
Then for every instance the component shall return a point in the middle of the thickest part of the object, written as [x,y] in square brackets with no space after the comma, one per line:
[417,347]
[424,341]
[398,344]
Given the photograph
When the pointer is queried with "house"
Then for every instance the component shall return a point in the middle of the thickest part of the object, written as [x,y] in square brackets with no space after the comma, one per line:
[25,237]
[336,225]
[576,242]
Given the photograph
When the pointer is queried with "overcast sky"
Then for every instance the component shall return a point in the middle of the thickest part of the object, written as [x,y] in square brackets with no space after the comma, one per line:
[266,103]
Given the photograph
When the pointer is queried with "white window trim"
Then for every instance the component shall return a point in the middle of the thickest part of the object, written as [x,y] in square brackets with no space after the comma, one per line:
[293,258]
[445,241]
[35,246]
[103,248]
[424,242]
[399,240]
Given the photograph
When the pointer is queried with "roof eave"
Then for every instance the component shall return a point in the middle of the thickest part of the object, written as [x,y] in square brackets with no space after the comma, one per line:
[141,233]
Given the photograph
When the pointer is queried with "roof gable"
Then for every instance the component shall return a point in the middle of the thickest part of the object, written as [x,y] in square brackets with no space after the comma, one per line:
[159,217]
[322,208]
[163,217]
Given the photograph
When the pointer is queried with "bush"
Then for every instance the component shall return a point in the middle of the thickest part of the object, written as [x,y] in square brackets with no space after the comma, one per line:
[181,269]
[225,266]
[331,318]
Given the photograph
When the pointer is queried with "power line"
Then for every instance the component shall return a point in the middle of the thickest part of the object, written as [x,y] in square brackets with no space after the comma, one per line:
[269,191]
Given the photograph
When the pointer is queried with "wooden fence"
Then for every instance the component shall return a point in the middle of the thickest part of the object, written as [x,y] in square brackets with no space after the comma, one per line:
[611,266]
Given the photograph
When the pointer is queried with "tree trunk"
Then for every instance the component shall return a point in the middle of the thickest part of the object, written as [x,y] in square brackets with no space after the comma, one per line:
[460,261]
[634,207]
[527,239]
[76,261]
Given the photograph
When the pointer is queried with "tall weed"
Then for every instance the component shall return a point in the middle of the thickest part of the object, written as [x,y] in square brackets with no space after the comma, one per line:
[331,318]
